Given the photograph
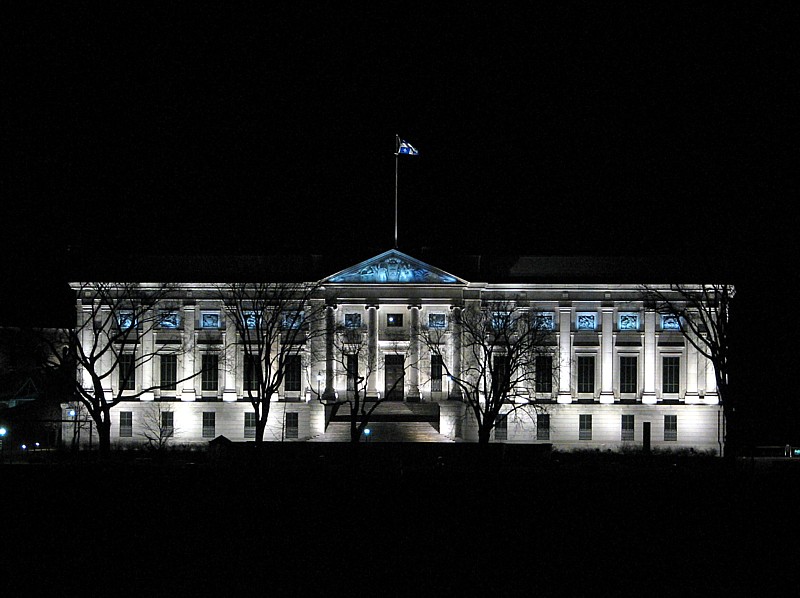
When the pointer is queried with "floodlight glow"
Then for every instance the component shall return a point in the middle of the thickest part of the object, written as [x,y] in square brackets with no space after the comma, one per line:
[367,431]
[24,446]
[3,431]
[71,413]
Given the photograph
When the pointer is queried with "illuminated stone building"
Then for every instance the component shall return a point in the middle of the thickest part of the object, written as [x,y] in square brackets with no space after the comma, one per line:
[624,374]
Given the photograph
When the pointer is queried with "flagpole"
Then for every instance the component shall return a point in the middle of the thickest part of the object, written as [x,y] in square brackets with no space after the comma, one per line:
[396,160]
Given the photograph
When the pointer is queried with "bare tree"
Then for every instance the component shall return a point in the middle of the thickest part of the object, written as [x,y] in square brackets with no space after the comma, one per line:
[352,352]
[113,320]
[274,322]
[158,423]
[500,345]
[702,314]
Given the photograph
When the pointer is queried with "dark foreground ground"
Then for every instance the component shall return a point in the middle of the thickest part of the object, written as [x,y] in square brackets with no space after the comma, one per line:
[580,525]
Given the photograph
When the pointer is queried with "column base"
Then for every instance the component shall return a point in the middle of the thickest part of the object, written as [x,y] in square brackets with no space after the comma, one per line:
[649,398]
[187,395]
[229,396]
[147,396]
[606,398]
[564,399]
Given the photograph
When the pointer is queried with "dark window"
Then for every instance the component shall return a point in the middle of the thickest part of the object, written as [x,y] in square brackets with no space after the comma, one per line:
[501,427]
[250,424]
[500,376]
[436,373]
[670,427]
[210,379]
[292,425]
[127,372]
[209,424]
[126,424]
[543,426]
[586,373]
[585,427]
[627,427]
[291,377]
[628,374]
[394,320]
[352,372]
[167,423]
[671,369]
[544,373]
[169,372]
[250,381]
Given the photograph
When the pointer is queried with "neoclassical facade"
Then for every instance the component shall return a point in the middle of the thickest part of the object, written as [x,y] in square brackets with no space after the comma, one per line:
[623,374]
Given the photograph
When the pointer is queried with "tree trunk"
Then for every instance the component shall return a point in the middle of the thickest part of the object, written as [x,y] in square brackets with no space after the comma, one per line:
[103,424]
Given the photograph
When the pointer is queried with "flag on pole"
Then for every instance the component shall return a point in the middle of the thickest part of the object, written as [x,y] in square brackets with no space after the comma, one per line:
[404,147]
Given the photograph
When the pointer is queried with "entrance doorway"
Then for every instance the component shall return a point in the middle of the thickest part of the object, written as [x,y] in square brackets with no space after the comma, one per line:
[395,377]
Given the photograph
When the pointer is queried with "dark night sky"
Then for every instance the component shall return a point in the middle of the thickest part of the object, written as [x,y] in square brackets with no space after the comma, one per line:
[597,128]
[604,128]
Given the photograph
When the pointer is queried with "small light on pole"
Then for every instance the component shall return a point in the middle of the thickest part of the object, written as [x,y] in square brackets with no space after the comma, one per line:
[367,432]
[319,382]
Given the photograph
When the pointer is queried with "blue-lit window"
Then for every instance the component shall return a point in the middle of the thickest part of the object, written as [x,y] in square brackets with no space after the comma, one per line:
[394,320]
[437,321]
[291,320]
[126,319]
[544,321]
[250,318]
[209,319]
[352,320]
[670,322]
[501,320]
[587,322]
[169,319]
[629,321]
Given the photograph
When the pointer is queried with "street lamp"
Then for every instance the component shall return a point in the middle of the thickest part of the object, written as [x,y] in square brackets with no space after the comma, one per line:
[319,383]
[3,433]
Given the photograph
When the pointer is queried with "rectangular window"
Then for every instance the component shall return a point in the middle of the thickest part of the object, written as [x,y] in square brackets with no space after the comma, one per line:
[209,424]
[291,320]
[627,427]
[500,376]
[586,374]
[291,377]
[501,427]
[250,380]
[436,373]
[437,321]
[167,423]
[670,322]
[209,319]
[543,426]
[126,319]
[127,372]
[292,425]
[169,319]
[210,378]
[352,372]
[352,320]
[586,321]
[585,427]
[544,374]
[671,370]
[629,321]
[544,321]
[628,374]
[670,427]
[169,372]
[250,424]
[394,320]
[126,424]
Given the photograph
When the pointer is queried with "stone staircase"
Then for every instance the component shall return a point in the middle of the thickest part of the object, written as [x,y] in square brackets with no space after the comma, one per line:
[392,421]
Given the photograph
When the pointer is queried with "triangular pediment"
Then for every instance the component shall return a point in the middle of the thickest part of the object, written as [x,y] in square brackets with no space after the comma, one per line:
[393,267]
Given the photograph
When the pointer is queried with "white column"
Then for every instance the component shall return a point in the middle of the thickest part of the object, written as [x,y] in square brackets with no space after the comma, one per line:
[330,365]
[186,359]
[564,354]
[372,351]
[650,349]
[607,356]
[229,367]
[455,389]
[711,396]
[692,393]
[147,348]
[413,350]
